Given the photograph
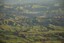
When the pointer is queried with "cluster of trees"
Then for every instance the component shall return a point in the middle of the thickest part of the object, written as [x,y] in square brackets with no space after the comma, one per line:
[17,28]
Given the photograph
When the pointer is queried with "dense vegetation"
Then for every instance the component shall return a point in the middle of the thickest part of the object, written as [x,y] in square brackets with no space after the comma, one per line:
[32,23]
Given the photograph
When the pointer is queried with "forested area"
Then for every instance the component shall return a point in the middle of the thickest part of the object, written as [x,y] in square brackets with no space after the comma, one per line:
[32,23]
